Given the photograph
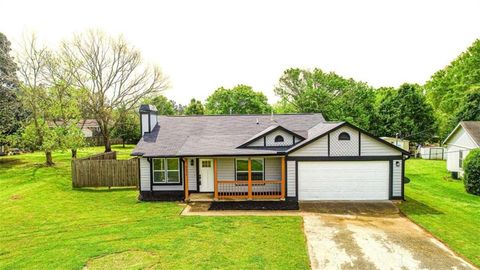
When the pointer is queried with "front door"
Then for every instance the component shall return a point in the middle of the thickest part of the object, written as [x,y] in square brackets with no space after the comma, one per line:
[206,175]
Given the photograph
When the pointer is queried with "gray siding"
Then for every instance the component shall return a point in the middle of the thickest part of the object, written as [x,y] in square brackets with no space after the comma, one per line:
[291,179]
[192,174]
[397,178]
[344,148]
[273,169]
[316,148]
[372,147]
[226,169]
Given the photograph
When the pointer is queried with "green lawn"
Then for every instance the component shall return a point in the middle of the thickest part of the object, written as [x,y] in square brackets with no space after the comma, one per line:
[45,224]
[441,205]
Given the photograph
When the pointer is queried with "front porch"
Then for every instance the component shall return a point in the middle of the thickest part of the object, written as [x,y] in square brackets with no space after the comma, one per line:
[249,184]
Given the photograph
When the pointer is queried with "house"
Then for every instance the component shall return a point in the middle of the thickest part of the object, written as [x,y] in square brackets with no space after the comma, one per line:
[404,144]
[464,137]
[285,156]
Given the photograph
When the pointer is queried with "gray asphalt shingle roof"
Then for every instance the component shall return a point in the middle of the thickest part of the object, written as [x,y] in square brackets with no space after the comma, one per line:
[222,134]
[473,129]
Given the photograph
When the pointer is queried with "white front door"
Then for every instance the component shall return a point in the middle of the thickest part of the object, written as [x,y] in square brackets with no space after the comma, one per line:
[206,175]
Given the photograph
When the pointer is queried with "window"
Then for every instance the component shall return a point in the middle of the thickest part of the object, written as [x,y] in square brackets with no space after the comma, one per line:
[206,163]
[344,136]
[279,138]
[166,170]
[241,169]
[460,159]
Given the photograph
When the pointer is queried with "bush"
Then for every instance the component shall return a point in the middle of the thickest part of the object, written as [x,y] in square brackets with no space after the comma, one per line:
[471,167]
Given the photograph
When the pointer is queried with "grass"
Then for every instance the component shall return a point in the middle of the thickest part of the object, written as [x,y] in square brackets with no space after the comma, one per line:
[440,204]
[45,224]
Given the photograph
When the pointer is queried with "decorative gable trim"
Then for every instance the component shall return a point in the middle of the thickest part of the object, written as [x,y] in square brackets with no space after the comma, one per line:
[264,136]
[346,124]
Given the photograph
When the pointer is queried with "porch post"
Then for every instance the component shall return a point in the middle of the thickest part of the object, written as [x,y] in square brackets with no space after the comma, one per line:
[250,195]
[185,171]
[215,179]
[283,177]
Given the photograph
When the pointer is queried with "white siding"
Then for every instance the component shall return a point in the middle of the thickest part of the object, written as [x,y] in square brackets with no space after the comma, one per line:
[344,147]
[371,147]
[291,178]
[273,168]
[144,174]
[317,148]
[153,121]
[192,174]
[144,123]
[397,178]
[460,141]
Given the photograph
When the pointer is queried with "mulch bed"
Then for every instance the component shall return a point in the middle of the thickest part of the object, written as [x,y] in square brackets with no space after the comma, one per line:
[254,205]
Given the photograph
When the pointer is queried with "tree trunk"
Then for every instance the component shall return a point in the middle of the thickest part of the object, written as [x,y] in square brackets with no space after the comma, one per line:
[74,153]
[48,156]
[106,140]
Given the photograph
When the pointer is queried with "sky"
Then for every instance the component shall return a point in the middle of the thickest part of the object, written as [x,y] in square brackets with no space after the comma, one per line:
[203,45]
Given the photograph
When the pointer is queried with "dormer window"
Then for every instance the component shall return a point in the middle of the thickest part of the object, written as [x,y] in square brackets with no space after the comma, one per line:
[344,136]
[279,138]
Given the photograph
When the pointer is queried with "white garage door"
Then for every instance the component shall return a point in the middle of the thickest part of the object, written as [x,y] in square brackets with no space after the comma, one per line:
[343,180]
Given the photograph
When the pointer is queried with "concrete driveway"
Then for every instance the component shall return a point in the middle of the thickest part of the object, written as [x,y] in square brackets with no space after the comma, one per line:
[364,241]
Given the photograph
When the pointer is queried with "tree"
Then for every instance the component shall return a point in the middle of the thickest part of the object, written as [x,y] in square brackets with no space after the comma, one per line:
[447,88]
[195,107]
[471,166]
[164,106]
[470,110]
[53,102]
[33,65]
[241,99]
[11,111]
[113,74]
[405,112]
[127,127]
[337,98]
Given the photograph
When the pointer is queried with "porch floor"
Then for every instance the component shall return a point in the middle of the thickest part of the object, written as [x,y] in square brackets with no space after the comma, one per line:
[201,197]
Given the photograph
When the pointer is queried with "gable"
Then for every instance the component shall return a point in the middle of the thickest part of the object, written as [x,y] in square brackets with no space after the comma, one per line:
[358,144]
[461,138]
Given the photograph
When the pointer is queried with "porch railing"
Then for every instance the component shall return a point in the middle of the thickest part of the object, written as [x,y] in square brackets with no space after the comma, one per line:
[249,189]
[255,189]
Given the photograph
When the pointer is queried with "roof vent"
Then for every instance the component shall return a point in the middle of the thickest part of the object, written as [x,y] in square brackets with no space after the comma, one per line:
[257,121]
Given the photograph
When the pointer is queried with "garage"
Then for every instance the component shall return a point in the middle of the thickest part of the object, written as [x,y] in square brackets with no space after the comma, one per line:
[343,180]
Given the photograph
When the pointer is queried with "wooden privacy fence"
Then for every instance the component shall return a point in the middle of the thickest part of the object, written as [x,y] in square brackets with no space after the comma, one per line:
[104,170]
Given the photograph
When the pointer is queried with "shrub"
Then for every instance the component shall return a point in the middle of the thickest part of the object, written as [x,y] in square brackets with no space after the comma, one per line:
[471,167]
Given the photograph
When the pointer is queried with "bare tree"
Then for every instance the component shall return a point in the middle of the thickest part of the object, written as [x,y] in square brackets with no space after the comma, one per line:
[32,67]
[112,73]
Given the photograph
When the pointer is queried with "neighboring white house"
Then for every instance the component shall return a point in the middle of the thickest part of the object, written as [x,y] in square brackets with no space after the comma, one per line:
[290,156]
[404,144]
[464,137]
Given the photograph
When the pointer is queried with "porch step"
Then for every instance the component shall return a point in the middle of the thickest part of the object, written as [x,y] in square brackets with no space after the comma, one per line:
[201,197]
[254,205]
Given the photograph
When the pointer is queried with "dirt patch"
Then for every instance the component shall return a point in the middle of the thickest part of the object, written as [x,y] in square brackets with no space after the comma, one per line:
[254,205]
[16,197]
[130,259]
